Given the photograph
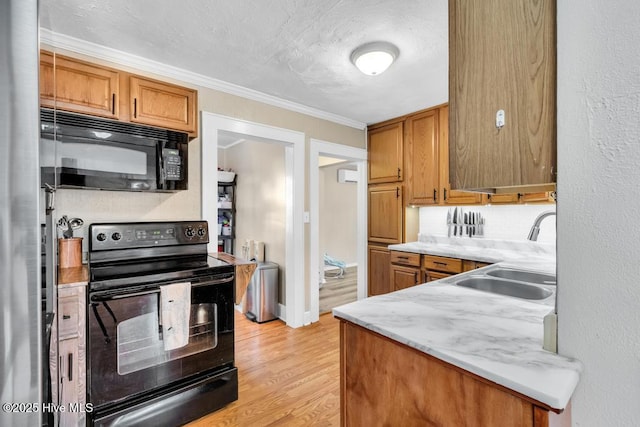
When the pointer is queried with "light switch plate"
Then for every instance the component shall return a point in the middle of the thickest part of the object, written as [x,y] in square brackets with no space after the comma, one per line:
[307,217]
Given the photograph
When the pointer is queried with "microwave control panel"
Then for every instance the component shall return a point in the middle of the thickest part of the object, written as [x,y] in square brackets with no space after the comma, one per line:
[172,164]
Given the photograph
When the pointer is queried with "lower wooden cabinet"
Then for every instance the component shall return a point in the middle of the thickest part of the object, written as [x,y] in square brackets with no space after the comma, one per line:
[404,277]
[68,356]
[468,265]
[383,382]
[379,270]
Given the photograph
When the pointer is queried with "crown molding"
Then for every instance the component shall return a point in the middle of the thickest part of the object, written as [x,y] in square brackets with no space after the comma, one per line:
[83,47]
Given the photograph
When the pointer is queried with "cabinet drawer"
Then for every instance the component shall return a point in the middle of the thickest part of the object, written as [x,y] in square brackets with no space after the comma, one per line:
[468,265]
[68,317]
[405,258]
[438,263]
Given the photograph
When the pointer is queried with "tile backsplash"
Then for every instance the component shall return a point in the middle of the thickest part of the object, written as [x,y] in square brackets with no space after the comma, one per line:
[508,222]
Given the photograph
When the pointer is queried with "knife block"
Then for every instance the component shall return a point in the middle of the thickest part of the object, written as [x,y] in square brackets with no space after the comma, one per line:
[70,252]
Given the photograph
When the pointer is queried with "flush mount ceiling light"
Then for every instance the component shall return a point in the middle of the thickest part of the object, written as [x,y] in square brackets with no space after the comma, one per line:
[374,58]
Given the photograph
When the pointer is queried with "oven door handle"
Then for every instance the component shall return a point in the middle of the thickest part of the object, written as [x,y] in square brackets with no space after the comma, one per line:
[157,290]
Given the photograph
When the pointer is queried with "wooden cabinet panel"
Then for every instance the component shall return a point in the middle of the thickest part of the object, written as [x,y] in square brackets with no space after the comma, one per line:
[384,382]
[73,85]
[404,277]
[379,275]
[405,258]
[161,104]
[430,276]
[544,197]
[385,152]
[502,56]
[385,214]
[468,265]
[422,158]
[442,264]
[449,196]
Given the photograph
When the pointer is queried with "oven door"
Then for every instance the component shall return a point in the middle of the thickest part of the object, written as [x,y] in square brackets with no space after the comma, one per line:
[126,354]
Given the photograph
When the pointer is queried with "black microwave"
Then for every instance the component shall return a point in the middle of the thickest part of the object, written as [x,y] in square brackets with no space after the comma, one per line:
[79,151]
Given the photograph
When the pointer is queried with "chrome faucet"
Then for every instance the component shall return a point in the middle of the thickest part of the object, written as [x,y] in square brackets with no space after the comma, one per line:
[535,228]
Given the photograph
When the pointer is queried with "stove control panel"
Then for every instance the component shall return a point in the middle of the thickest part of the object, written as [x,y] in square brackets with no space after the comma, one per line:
[147,234]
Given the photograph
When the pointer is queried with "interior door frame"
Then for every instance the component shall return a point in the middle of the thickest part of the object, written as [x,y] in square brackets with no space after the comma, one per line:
[359,157]
[294,143]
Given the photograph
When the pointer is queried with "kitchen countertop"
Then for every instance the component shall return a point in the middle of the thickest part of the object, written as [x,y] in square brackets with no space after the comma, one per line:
[493,336]
[480,249]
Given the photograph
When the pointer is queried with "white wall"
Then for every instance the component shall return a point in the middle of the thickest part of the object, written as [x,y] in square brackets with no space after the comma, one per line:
[338,215]
[599,206]
[508,222]
[260,199]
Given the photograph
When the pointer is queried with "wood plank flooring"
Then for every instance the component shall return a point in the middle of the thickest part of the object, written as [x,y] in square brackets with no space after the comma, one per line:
[338,291]
[287,377]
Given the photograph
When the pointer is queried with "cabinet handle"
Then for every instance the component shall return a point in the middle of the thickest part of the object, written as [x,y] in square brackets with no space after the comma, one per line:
[435,194]
[403,257]
[445,194]
[135,108]
[439,263]
[70,368]
[66,317]
[398,173]
[397,192]
[113,104]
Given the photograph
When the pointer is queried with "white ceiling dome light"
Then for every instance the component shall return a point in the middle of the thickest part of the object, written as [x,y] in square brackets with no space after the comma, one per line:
[375,57]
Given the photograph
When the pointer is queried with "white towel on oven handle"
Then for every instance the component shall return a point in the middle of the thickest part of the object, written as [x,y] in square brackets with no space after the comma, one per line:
[175,306]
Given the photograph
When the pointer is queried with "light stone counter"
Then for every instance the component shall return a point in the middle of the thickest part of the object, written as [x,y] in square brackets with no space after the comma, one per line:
[479,249]
[496,337]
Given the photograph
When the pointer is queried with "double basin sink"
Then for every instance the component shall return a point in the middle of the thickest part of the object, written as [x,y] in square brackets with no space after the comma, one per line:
[509,281]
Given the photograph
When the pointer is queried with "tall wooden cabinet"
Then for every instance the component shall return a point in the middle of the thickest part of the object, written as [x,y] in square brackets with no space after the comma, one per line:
[422,158]
[502,95]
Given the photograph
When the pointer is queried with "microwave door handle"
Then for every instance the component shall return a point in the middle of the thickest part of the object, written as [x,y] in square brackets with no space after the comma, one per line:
[160,165]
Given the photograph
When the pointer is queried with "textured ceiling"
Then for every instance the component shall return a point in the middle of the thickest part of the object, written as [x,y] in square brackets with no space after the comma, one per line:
[297,50]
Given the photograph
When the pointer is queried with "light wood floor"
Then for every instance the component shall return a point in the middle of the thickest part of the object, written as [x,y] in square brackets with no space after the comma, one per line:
[287,377]
[339,291]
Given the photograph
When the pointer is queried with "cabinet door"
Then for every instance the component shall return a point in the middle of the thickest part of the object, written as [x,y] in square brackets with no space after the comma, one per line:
[379,276]
[502,57]
[72,383]
[162,104]
[468,265]
[544,197]
[449,196]
[422,158]
[385,214]
[404,277]
[74,85]
[385,152]
[430,276]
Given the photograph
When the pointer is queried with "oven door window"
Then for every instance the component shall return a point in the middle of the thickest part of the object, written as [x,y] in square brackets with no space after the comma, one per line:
[140,345]
[126,353]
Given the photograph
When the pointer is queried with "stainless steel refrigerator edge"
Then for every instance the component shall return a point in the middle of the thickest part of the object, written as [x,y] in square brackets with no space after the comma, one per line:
[20,289]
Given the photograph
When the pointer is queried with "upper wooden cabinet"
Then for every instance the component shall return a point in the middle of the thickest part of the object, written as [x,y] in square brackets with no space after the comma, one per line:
[73,85]
[502,57]
[386,214]
[161,104]
[423,162]
[385,151]
[449,196]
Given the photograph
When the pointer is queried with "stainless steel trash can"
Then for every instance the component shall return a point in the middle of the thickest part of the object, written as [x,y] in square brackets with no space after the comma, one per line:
[261,304]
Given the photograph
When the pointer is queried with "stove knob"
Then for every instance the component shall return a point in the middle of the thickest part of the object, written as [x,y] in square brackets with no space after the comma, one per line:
[202,232]
[116,236]
[189,232]
[101,237]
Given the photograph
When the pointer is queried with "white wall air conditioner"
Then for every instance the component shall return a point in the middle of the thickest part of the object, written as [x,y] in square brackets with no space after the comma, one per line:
[347,175]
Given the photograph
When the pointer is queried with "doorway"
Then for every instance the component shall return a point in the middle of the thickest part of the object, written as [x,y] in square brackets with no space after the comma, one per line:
[357,160]
[214,128]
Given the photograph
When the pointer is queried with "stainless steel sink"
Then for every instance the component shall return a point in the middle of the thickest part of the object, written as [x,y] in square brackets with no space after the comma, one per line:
[523,276]
[505,287]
